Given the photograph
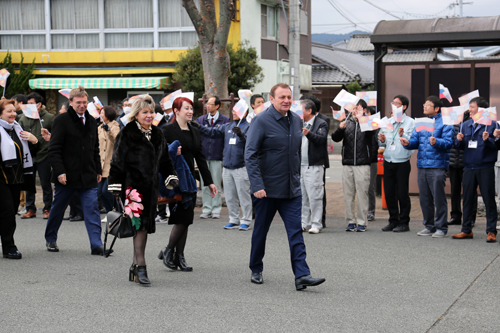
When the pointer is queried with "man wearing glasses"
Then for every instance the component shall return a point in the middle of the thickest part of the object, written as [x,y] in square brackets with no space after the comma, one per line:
[432,162]
[397,168]
[76,167]
[212,149]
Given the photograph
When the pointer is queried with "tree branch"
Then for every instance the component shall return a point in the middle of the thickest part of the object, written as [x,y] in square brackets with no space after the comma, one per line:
[227,9]
[204,19]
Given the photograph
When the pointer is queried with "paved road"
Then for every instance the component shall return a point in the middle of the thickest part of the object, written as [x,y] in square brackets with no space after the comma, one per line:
[376,282]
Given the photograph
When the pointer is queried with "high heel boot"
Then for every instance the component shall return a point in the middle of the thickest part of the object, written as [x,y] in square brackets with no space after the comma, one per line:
[141,276]
[131,273]
[167,255]
[181,262]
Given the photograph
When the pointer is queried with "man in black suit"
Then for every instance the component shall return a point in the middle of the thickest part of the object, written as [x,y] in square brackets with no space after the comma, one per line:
[321,116]
[74,156]
[312,170]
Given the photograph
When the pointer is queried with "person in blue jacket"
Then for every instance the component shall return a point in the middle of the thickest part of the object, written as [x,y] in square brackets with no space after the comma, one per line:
[480,154]
[234,172]
[272,157]
[433,159]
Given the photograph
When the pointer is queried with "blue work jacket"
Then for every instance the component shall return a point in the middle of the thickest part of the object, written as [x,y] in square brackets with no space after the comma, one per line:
[486,152]
[272,154]
[233,156]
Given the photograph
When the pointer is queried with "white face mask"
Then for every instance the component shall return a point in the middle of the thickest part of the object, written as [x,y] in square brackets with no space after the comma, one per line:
[127,109]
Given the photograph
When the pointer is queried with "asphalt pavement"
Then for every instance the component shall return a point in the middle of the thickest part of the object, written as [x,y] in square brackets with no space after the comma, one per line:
[375,282]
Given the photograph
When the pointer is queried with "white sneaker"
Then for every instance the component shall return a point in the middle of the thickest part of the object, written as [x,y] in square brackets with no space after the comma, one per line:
[205,216]
[498,227]
[438,234]
[425,232]
[314,230]
[104,220]
[167,211]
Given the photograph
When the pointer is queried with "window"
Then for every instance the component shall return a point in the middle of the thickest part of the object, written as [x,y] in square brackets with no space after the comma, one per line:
[119,14]
[19,15]
[74,14]
[268,21]
[172,14]
[178,39]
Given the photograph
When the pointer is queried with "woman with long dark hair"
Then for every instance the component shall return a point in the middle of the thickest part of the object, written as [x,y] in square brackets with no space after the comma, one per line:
[16,170]
[180,216]
[139,153]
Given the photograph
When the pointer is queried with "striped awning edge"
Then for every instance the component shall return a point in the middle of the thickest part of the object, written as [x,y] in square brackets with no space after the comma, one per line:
[102,83]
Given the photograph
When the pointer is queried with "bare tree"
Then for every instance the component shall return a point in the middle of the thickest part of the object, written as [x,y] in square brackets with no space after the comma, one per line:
[213,41]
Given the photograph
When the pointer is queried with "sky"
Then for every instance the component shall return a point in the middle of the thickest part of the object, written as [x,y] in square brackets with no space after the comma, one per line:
[326,19]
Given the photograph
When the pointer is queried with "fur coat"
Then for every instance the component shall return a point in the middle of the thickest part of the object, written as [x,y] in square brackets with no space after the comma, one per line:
[135,163]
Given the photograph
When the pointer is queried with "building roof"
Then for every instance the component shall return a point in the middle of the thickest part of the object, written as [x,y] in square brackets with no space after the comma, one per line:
[491,51]
[339,66]
[360,43]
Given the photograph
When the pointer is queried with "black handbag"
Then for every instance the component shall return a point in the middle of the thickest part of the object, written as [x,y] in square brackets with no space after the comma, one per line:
[119,225]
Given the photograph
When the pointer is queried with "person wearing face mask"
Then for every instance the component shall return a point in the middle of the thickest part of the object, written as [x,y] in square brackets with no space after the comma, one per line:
[16,167]
[182,214]
[140,153]
[358,149]
[127,108]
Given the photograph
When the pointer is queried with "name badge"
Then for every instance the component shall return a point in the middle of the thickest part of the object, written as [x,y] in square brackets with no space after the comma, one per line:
[472,144]
[232,141]
[392,147]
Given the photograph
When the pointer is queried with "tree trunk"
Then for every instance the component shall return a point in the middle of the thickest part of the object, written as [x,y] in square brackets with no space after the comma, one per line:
[213,42]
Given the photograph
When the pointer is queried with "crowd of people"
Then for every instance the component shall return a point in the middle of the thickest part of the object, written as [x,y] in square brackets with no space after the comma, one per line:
[275,163]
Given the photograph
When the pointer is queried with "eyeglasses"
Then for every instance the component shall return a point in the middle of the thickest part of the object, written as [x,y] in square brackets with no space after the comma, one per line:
[396,104]
[428,105]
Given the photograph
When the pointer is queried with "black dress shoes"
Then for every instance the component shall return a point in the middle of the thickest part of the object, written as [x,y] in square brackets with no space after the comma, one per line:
[389,227]
[454,221]
[76,218]
[99,251]
[180,261]
[401,228]
[167,255]
[52,247]
[13,255]
[257,278]
[307,281]
[67,218]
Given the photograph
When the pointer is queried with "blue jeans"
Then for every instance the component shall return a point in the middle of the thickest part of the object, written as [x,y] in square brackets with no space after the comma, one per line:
[62,197]
[106,197]
[290,212]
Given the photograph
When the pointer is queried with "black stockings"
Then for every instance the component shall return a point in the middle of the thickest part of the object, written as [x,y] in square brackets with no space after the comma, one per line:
[140,247]
[178,237]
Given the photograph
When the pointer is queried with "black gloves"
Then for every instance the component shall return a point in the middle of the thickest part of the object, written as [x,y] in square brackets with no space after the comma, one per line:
[105,127]
[237,131]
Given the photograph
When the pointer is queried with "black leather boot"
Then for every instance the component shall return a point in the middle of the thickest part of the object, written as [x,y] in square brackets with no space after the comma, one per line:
[167,255]
[181,262]
[131,273]
[141,276]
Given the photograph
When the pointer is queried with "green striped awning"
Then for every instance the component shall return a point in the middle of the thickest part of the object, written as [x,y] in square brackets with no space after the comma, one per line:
[102,83]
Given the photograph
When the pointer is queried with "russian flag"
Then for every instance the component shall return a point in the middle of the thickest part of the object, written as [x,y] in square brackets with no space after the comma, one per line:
[65,92]
[424,124]
[240,108]
[444,93]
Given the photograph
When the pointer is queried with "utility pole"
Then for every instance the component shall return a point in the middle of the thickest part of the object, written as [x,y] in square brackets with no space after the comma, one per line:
[294,44]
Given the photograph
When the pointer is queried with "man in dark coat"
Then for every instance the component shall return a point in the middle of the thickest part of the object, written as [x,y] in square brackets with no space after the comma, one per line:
[74,156]
[272,157]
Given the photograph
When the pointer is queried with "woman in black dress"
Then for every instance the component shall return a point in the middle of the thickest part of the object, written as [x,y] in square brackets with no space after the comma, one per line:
[139,153]
[181,217]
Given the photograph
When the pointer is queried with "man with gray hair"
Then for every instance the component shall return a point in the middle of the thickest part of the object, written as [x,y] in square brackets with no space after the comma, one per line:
[312,162]
[74,156]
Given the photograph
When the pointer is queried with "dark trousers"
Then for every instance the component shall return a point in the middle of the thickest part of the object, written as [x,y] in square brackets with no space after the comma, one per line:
[62,197]
[9,202]
[105,196]
[290,212]
[396,184]
[431,184]
[484,178]
[75,205]
[44,173]
[323,217]
[456,179]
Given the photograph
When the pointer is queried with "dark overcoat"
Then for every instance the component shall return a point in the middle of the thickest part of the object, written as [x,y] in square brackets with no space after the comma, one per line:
[136,162]
[74,150]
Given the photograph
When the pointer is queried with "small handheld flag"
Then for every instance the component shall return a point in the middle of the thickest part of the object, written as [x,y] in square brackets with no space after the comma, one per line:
[30,111]
[97,103]
[339,115]
[169,99]
[453,115]
[245,94]
[132,99]
[397,113]
[486,116]
[65,92]
[424,124]
[240,108]
[157,119]
[93,110]
[262,107]
[386,123]
[445,93]
[370,97]
[345,99]
[369,123]
[4,74]
[297,108]
[465,99]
